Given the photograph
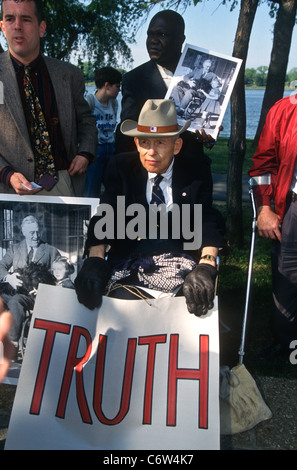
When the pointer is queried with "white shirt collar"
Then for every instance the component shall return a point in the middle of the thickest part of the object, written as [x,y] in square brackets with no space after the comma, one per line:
[165,74]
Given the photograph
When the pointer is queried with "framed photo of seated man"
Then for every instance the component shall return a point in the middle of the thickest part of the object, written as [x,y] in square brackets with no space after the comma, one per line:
[42,242]
[202,86]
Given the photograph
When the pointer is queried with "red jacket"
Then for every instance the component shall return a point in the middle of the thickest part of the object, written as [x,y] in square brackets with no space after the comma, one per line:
[276,154]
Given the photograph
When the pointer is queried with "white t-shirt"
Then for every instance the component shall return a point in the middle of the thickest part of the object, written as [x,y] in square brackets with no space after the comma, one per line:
[106,119]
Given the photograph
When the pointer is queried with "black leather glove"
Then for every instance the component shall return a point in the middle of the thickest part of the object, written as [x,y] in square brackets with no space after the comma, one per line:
[199,289]
[91,282]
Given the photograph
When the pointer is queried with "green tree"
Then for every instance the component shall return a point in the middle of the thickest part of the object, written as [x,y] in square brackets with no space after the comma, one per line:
[99,31]
[237,141]
[261,76]
[282,37]
[291,76]
[250,76]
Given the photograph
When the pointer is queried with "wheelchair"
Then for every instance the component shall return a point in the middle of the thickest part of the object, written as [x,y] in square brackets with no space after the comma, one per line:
[25,333]
[192,111]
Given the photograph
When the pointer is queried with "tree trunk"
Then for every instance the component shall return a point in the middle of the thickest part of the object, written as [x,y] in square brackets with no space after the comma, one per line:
[237,141]
[282,38]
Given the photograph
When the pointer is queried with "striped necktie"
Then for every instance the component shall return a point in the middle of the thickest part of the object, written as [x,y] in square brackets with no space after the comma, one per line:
[41,146]
[157,193]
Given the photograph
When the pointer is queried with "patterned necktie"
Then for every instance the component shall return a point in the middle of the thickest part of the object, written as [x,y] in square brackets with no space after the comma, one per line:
[41,146]
[157,193]
[30,256]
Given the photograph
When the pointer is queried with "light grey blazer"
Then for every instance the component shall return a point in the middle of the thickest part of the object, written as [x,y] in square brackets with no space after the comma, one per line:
[76,120]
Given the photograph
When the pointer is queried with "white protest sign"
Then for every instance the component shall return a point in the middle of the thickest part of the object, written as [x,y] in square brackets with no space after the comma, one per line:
[134,374]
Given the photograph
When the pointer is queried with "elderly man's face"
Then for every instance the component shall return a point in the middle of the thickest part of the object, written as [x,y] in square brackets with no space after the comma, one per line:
[22,30]
[156,154]
[31,234]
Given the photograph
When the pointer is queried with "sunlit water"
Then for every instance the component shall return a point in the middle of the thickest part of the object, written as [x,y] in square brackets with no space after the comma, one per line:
[254,100]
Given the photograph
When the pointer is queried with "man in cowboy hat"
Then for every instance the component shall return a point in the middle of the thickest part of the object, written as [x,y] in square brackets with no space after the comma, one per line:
[157,262]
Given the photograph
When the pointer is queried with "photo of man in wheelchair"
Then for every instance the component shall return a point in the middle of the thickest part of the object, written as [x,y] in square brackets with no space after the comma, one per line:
[24,265]
[197,96]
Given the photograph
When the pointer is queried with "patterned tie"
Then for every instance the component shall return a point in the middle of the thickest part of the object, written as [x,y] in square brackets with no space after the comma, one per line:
[44,160]
[30,256]
[157,193]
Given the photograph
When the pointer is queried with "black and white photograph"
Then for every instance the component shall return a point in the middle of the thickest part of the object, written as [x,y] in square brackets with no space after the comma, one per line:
[42,241]
[201,88]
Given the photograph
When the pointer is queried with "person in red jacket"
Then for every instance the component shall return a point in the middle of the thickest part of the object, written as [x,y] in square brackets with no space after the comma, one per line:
[274,181]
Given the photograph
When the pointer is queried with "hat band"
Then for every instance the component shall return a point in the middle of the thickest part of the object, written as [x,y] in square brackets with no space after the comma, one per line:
[159,129]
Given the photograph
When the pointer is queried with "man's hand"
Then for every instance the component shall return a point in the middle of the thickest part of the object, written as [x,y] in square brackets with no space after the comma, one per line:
[91,281]
[21,185]
[199,289]
[78,166]
[268,223]
[206,139]
[14,280]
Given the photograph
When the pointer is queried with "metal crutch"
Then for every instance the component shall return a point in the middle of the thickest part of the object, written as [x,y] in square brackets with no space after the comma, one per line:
[250,269]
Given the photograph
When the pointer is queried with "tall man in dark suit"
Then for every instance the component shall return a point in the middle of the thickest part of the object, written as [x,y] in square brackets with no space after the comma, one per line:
[69,133]
[162,261]
[165,38]
[30,249]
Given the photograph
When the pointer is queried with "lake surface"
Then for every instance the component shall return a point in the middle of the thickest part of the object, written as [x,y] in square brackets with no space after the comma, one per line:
[254,100]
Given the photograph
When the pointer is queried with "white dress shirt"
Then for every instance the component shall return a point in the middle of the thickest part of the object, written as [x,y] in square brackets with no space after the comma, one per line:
[165,185]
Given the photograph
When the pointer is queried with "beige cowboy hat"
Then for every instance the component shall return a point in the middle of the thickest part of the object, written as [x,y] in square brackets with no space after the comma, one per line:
[157,118]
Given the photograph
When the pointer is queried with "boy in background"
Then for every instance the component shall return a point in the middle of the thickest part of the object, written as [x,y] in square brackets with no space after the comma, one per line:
[104,106]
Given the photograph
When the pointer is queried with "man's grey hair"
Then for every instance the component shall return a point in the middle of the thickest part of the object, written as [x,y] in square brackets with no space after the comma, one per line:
[30,219]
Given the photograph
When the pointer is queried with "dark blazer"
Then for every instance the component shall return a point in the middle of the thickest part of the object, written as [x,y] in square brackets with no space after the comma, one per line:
[76,120]
[16,257]
[127,177]
[138,85]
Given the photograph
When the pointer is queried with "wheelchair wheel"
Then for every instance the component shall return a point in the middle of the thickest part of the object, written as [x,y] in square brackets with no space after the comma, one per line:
[24,335]
[190,110]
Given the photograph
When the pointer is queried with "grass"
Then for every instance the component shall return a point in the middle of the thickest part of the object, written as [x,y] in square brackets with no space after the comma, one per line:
[219,156]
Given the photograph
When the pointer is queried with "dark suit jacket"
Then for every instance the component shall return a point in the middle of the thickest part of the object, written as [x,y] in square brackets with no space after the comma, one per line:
[76,120]
[139,85]
[127,177]
[16,257]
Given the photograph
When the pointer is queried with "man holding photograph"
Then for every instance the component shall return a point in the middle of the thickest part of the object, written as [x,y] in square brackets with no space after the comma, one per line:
[165,38]
[48,135]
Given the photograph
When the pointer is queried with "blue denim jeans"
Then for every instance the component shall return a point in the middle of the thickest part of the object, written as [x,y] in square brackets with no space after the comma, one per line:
[95,172]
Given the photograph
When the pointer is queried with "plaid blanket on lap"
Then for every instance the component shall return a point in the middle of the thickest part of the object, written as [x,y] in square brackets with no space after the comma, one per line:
[163,272]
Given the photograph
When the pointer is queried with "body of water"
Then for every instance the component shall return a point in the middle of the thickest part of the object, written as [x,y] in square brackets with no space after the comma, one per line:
[254,99]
